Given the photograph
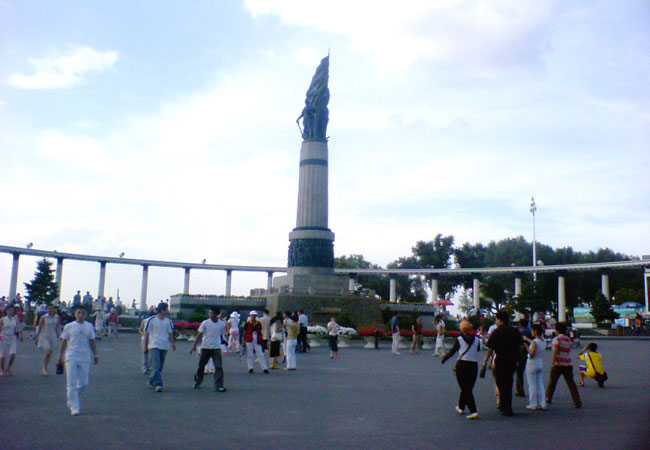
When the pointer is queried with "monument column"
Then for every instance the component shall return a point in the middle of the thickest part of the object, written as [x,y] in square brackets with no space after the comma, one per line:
[59,278]
[13,283]
[143,290]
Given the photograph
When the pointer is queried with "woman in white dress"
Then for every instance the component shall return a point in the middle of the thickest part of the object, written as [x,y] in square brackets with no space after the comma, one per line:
[47,336]
[9,327]
[99,323]
[232,329]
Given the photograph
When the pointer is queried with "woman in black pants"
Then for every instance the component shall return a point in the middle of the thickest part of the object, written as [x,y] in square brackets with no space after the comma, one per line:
[467,345]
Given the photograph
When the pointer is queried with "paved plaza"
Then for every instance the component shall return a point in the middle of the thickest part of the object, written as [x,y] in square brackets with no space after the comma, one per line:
[365,399]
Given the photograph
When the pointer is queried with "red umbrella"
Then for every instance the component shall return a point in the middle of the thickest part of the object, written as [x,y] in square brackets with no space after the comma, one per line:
[442,302]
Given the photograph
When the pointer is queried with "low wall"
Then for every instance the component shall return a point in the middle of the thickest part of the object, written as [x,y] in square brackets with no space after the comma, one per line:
[182,305]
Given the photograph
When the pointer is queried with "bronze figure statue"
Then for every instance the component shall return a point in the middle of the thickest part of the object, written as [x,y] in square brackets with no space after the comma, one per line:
[315,114]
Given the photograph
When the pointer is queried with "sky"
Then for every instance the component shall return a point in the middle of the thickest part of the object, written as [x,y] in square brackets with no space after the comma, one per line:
[167,130]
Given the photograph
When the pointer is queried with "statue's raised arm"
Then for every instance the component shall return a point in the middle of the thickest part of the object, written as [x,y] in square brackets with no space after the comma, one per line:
[315,114]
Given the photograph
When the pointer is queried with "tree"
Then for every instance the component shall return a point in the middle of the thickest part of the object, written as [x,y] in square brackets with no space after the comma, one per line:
[380,284]
[43,288]
[530,301]
[602,309]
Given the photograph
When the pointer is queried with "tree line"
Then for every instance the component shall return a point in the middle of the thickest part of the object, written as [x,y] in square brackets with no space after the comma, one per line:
[497,291]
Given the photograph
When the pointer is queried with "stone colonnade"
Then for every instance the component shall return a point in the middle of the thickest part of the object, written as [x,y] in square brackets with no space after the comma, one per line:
[476,285]
[13,285]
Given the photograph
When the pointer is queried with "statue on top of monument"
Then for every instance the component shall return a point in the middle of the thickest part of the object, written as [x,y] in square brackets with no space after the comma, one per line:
[315,114]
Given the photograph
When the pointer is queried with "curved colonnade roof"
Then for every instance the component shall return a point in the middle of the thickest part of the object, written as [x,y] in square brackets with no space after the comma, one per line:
[641,263]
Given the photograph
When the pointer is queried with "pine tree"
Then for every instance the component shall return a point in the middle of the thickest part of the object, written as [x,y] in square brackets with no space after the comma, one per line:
[602,309]
[43,288]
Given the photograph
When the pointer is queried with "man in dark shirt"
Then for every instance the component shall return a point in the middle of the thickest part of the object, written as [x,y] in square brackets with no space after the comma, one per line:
[505,342]
[522,358]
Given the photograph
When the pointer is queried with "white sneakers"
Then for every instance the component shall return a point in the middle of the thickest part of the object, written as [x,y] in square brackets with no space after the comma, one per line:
[459,411]
[473,416]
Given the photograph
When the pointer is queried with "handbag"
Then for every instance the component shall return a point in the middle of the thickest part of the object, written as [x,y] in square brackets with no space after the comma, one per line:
[599,377]
[461,357]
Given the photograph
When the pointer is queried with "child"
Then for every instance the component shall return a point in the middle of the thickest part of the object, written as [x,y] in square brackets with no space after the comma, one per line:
[594,367]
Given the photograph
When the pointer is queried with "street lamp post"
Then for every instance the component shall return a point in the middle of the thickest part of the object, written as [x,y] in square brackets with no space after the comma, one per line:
[533,208]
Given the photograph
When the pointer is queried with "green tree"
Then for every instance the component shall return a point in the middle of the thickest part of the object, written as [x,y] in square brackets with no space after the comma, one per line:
[623,295]
[43,288]
[530,301]
[380,284]
[602,309]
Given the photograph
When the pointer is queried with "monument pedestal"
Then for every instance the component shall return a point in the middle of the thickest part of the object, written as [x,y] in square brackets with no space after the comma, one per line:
[365,311]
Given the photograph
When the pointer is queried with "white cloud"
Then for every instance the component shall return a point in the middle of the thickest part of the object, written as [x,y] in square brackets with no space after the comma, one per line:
[64,71]
[484,33]
[307,56]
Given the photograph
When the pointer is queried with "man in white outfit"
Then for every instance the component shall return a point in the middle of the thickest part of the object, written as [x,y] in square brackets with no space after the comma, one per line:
[77,343]
[212,331]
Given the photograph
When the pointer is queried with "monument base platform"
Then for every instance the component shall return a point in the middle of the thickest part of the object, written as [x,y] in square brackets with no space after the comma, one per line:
[319,307]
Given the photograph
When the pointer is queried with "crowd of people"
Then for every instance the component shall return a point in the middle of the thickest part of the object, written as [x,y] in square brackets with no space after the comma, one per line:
[519,351]
[513,353]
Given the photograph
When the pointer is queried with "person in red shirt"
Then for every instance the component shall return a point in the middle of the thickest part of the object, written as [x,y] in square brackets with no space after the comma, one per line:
[561,365]
[253,343]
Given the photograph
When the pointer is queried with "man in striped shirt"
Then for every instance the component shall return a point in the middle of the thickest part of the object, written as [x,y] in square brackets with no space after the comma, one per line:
[561,365]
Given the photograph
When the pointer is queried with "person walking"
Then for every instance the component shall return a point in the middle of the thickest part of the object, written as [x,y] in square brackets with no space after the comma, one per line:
[232,328]
[505,342]
[561,365]
[146,363]
[253,343]
[333,329]
[113,322]
[303,321]
[277,336]
[468,346]
[211,331]
[77,345]
[535,369]
[395,330]
[47,335]
[99,322]
[440,336]
[159,335]
[265,320]
[11,333]
[417,336]
[293,329]
[522,358]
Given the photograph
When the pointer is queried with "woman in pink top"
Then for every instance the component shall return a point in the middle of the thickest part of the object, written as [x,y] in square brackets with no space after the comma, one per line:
[561,365]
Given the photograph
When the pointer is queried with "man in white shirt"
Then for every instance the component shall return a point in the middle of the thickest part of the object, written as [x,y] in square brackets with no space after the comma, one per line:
[212,331]
[159,334]
[77,344]
[303,321]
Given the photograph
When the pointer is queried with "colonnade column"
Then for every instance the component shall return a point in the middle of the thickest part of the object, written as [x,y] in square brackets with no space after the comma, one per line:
[102,279]
[228,282]
[434,288]
[352,282]
[186,281]
[476,291]
[604,284]
[517,284]
[269,282]
[13,284]
[59,278]
[561,298]
[393,290]
[143,291]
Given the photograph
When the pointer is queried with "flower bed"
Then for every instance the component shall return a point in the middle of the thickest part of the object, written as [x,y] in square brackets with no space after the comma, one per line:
[370,332]
[183,325]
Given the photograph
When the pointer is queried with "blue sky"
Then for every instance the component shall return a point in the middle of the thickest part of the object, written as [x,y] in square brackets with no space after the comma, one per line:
[166,130]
